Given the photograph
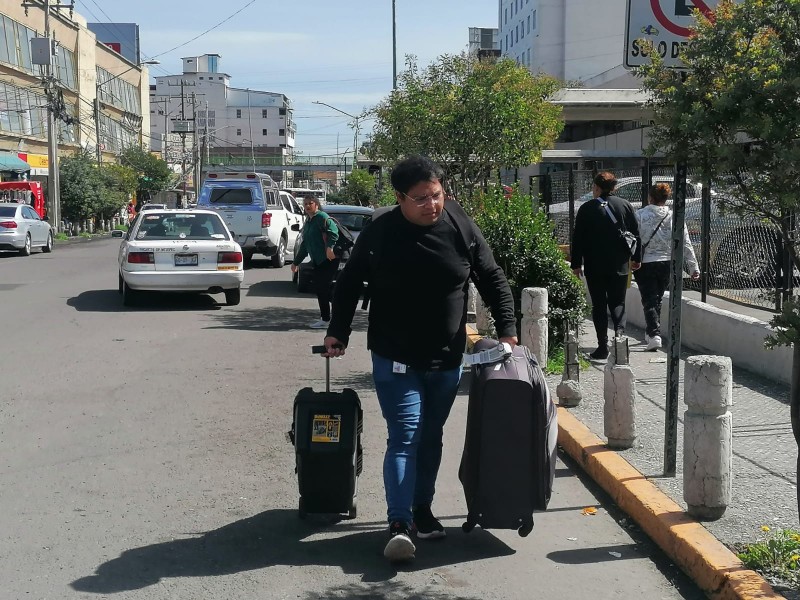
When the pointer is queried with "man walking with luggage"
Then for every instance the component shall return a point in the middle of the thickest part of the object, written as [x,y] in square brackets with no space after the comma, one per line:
[417,259]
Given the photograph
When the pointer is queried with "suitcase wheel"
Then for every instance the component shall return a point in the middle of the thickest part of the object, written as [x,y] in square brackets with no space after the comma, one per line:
[526,528]
[468,526]
[301,510]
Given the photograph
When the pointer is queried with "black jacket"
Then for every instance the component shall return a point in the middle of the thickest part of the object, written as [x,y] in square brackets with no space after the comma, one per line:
[596,243]
[417,279]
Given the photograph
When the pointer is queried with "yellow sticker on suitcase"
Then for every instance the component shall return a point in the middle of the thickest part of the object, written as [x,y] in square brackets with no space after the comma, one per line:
[326,428]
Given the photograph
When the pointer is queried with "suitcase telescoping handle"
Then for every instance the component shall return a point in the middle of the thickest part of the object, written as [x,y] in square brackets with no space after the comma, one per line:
[321,350]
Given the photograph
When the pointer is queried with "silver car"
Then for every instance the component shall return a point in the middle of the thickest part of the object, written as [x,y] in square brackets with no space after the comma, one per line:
[21,229]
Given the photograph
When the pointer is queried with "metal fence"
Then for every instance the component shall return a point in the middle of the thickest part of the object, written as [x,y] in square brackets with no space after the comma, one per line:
[747,262]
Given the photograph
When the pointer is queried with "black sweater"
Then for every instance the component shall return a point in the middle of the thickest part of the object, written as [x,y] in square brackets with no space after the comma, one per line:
[418,290]
[596,244]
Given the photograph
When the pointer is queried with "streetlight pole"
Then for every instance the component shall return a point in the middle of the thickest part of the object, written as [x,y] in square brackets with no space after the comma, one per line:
[394,47]
[356,120]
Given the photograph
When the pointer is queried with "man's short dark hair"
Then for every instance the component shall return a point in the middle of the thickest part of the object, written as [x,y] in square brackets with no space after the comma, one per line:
[413,170]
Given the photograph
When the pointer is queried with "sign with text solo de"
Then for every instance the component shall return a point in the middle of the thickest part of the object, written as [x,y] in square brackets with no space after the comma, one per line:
[663,23]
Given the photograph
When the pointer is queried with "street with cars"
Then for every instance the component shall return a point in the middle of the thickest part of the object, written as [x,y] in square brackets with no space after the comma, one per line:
[145,456]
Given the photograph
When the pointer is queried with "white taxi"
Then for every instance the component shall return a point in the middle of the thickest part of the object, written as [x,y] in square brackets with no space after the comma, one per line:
[179,251]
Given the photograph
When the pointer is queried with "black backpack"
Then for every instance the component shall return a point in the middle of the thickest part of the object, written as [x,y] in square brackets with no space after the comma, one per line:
[344,243]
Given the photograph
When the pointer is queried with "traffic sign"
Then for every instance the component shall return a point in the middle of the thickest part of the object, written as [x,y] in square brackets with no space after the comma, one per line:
[666,24]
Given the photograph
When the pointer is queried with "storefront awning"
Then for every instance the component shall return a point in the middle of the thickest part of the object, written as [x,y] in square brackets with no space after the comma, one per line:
[12,163]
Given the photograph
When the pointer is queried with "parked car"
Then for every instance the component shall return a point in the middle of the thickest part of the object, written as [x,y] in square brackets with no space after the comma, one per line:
[151,206]
[179,251]
[251,207]
[21,229]
[354,218]
[295,215]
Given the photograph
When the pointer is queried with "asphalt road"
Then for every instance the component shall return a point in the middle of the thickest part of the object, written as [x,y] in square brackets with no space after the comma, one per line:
[143,456]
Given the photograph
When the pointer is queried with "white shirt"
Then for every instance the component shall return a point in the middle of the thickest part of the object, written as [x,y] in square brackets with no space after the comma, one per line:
[659,242]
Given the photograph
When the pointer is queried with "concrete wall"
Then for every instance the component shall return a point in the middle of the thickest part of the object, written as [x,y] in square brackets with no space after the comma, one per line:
[707,329]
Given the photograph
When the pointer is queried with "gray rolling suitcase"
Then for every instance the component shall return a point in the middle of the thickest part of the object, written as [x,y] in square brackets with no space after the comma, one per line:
[509,458]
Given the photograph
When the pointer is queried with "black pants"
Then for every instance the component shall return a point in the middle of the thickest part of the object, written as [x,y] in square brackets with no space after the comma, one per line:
[324,274]
[608,295]
[652,279]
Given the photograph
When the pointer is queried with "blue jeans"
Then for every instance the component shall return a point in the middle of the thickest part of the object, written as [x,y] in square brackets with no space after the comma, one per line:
[416,405]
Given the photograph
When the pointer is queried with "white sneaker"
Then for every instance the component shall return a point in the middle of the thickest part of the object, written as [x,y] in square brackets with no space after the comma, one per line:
[400,548]
[319,324]
[653,343]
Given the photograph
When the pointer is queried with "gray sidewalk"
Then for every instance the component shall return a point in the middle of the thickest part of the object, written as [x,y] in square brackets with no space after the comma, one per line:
[764,485]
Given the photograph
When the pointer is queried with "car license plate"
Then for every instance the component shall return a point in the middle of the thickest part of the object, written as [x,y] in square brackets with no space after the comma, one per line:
[186,260]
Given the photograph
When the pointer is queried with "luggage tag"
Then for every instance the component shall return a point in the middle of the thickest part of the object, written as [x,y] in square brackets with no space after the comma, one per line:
[398,368]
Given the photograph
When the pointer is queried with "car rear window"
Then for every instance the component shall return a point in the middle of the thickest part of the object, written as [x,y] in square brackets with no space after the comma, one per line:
[231,196]
[181,226]
[8,211]
[352,221]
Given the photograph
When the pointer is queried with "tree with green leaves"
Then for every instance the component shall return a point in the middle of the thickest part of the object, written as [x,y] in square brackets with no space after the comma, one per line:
[471,117]
[154,174]
[118,185]
[734,114]
[360,187]
[80,186]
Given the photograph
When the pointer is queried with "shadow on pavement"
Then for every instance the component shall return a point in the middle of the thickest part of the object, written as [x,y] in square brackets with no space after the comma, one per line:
[275,289]
[583,556]
[278,318]
[278,537]
[111,301]
[388,590]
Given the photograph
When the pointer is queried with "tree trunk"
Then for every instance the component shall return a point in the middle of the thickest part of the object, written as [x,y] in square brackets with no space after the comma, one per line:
[794,408]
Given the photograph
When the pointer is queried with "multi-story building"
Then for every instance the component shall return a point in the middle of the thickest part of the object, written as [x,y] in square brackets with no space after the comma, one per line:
[197,117]
[83,69]
[484,42]
[582,43]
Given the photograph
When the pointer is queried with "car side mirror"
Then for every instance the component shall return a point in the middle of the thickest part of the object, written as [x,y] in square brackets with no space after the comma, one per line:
[296,227]
[117,233]
[46,218]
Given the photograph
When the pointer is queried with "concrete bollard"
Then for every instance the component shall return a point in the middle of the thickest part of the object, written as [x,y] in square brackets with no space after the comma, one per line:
[483,318]
[472,303]
[708,436]
[534,322]
[619,392]
[569,390]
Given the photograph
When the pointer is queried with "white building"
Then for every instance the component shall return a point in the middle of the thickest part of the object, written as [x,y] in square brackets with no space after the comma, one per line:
[242,126]
[484,41]
[573,40]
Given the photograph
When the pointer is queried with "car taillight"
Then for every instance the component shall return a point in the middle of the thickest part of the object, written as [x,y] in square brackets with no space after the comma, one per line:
[9,224]
[229,257]
[141,258]
[266,219]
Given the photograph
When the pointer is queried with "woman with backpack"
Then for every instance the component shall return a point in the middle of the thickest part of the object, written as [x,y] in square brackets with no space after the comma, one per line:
[319,237]
[655,229]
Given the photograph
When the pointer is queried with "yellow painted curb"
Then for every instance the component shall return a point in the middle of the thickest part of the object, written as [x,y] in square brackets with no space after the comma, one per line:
[714,568]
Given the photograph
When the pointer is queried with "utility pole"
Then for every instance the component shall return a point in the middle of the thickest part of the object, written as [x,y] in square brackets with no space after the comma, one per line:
[250,128]
[54,107]
[394,47]
[97,149]
[195,148]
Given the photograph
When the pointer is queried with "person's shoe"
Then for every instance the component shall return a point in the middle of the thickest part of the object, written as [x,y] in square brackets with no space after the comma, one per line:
[654,343]
[600,354]
[319,324]
[646,339]
[428,527]
[399,548]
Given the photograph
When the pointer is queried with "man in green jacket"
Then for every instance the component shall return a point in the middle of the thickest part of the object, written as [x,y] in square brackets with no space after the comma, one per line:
[319,236]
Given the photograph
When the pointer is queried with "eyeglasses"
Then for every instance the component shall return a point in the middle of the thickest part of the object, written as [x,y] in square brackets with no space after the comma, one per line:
[435,198]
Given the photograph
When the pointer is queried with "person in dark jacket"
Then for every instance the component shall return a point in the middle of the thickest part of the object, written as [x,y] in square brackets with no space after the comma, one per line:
[319,236]
[417,265]
[599,253]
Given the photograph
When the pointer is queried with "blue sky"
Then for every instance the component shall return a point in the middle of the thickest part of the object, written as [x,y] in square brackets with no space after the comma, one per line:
[338,52]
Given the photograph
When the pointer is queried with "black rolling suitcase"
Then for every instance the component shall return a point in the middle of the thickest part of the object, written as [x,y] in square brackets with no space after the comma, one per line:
[326,434]
[509,458]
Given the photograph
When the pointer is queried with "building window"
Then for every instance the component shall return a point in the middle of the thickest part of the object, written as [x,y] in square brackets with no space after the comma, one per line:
[523,30]
[264,114]
[529,57]
[529,23]
[282,132]
[220,78]
[505,22]
[238,113]
[282,112]
[263,132]
[201,77]
[238,132]
[534,19]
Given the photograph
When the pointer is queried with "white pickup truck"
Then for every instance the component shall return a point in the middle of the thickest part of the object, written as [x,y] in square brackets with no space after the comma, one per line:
[250,205]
